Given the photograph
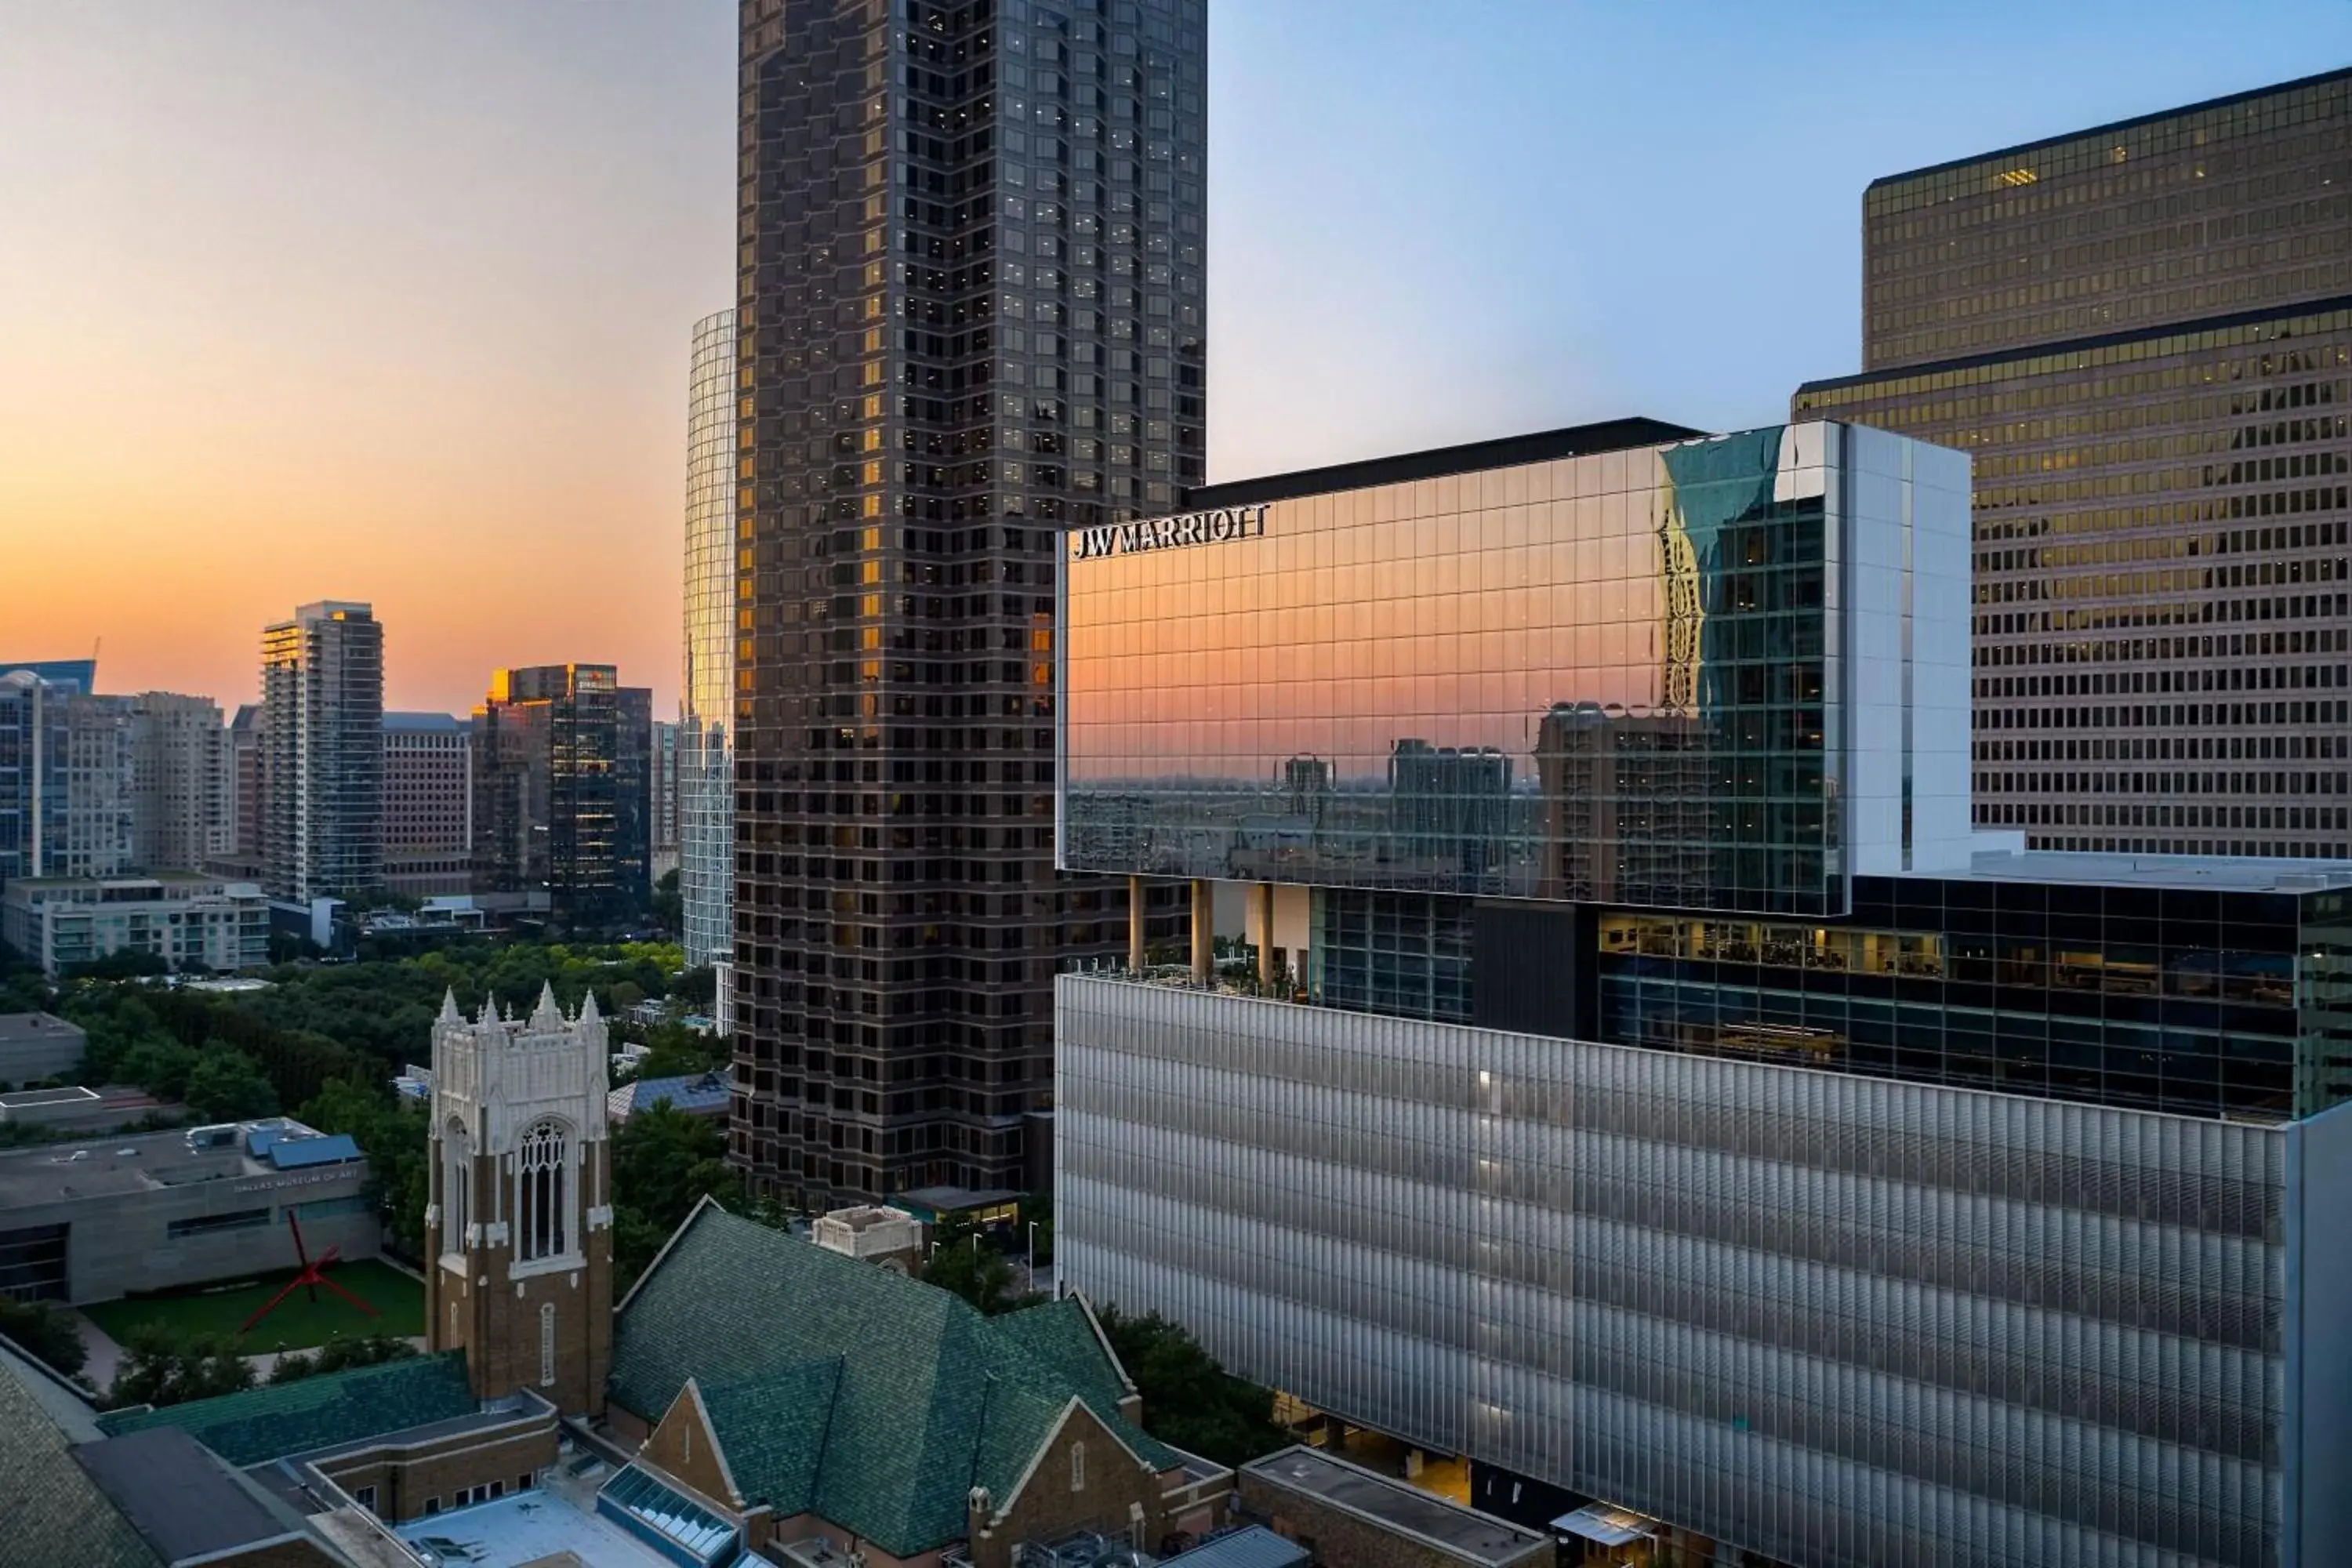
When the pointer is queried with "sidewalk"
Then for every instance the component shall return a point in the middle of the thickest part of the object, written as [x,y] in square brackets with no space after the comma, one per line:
[105,1355]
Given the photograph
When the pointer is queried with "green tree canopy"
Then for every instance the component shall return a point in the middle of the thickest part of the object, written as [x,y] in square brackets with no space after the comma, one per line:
[45,1332]
[962,1260]
[159,1369]
[229,1085]
[664,1163]
[1189,1400]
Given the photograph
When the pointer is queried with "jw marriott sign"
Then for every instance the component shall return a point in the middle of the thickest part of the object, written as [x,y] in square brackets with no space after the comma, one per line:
[1165,532]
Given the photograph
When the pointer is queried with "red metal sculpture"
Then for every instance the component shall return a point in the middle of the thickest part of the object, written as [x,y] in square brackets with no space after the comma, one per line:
[312,1274]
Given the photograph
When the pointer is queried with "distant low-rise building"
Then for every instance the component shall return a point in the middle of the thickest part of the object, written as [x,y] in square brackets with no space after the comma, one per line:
[34,1045]
[697,1094]
[180,916]
[1357,1518]
[94,1221]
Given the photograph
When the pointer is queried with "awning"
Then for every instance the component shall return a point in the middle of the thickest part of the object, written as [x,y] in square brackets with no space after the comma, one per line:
[1606,1526]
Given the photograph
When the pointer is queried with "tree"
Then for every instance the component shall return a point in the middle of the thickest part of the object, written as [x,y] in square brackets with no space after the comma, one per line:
[339,1354]
[962,1261]
[697,987]
[1189,1401]
[664,1163]
[159,1369]
[673,1050]
[669,907]
[44,1332]
[229,1085]
[161,1065]
[1037,1209]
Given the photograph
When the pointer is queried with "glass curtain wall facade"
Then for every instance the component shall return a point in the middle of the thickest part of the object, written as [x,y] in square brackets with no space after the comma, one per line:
[1622,675]
[548,780]
[1843,1322]
[2143,337]
[706,720]
[2215,209]
[322,751]
[970,315]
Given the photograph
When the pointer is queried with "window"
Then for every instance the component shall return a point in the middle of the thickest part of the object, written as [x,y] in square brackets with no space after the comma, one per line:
[1077,1466]
[456,1186]
[365,1498]
[547,1344]
[432,1506]
[540,1194]
[205,1224]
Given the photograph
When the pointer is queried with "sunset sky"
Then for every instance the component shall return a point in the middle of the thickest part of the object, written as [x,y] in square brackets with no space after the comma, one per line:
[326,299]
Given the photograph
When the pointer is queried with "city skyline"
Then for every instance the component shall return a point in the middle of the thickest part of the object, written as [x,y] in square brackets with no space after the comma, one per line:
[493,459]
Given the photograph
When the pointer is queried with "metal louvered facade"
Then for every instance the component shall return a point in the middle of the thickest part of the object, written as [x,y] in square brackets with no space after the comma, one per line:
[1833,1319]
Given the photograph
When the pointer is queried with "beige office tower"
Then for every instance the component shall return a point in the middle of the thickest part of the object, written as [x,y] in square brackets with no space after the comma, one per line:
[182,795]
[2142,335]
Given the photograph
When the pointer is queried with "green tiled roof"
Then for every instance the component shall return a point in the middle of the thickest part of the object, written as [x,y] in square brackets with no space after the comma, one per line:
[315,1412]
[842,1389]
[51,1510]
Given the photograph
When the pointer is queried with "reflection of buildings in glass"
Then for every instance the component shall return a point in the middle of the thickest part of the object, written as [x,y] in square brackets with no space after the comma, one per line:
[2158,647]
[706,705]
[1306,788]
[1627,813]
[1853,1034]
[1449,811]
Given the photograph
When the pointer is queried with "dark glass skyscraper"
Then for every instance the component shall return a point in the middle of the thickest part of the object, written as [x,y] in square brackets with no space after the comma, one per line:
[970,315]
[2142,335]
[550,792]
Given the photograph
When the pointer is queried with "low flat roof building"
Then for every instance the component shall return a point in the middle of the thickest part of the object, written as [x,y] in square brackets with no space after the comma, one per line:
[1352,1517]
[34,1045]
[95,1220]
[183,917]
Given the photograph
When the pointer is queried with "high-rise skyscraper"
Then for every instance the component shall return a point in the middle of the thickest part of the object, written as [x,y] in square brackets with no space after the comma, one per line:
[705,717]
[428,803]
[970,315]
[181,797]
[2142,335]
[632,800]
[322,751]
[547,784]
[248,814]
[65,774]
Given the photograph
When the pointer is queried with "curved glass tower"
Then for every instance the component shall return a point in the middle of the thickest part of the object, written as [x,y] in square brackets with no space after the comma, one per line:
[706,765]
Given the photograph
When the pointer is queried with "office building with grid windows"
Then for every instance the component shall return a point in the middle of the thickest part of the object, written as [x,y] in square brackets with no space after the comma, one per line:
[2142,335]
[705,719]
[321,753]
[1640,1078]
[970,316]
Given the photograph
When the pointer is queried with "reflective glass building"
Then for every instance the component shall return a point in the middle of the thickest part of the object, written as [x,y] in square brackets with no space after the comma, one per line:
[971,315]
[1638,1077]
[706,759]
[2142,335]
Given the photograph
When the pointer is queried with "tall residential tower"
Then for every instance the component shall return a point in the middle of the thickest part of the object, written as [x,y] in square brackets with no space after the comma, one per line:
[322,751]
[970,315]
[2142,335]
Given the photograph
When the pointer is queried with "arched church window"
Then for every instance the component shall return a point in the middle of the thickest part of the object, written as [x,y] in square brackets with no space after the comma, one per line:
[456,1186]
[542,1161]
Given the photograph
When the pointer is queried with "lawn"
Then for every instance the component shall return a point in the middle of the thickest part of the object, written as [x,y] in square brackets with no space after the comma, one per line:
[297,1324]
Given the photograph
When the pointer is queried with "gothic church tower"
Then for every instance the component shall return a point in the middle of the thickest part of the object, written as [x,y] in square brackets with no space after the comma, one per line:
[520,1226]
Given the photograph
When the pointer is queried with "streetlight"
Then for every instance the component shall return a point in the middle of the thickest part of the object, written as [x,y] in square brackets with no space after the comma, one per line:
[1032,1255]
